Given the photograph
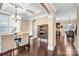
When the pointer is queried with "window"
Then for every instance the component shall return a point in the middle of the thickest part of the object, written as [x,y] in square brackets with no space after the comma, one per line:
[70,27]
[7,24]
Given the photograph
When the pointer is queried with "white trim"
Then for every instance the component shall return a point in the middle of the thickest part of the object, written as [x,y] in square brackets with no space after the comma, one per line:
[76,48]
[51,47]
[44,40]
[0,44]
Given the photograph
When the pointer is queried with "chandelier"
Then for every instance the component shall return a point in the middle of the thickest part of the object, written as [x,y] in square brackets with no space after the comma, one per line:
[16,16]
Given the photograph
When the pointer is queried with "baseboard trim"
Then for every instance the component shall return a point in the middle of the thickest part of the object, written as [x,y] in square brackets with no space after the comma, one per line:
[6,52]
[51,48]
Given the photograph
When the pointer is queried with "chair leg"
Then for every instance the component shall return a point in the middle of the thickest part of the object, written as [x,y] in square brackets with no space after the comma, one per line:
[13,53]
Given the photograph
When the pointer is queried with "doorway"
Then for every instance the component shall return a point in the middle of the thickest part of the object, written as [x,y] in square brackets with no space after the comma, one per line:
[43,35]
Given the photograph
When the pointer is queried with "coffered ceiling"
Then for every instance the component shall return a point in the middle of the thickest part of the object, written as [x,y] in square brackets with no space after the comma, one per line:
[25,10]
[30,10]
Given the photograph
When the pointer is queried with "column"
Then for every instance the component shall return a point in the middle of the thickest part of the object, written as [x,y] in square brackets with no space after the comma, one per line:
[51,32]
[77,22]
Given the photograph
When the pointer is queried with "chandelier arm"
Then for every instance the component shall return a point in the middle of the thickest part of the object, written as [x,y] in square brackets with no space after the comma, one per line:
[16,17]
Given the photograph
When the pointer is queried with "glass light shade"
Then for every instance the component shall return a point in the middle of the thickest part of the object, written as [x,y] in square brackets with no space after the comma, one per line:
[17,17]
[12,16]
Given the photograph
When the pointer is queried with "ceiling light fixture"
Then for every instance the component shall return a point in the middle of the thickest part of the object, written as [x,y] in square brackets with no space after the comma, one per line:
[16,16]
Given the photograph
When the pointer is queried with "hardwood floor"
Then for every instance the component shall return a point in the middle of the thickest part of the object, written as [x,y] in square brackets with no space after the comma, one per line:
[65,50]
[35,50]
[38,48]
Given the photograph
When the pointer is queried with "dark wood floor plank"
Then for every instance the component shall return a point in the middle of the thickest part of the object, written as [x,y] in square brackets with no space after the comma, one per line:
[40,49]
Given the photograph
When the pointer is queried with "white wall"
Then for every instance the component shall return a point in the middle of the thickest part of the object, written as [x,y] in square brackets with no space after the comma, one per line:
[39,21]
[50,21]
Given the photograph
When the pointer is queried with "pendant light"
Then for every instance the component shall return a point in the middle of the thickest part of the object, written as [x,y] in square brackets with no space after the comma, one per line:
[16,17]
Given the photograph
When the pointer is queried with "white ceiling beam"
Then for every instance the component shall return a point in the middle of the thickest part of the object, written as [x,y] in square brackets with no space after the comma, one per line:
[5,12]
[16,5]
[44,6]
[21,8]
[48,7]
